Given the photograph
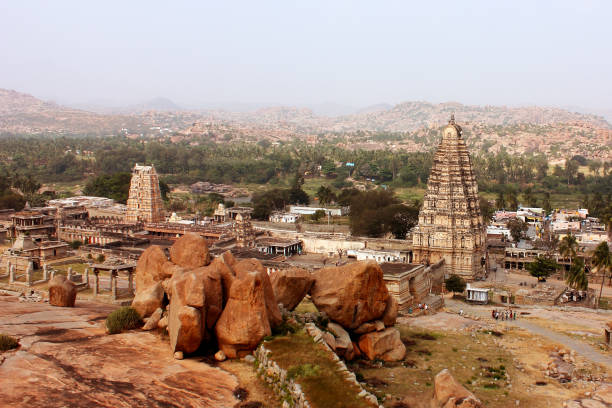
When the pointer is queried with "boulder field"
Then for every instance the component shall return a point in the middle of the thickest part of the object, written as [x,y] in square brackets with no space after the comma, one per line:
[234,304]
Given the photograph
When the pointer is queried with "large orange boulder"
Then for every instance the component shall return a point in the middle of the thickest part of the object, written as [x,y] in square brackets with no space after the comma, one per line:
[148,300]
[216,280]
[244,321]
[152,274]
[185,328]
[390,315]
[226,274]
[190,251]
[247,266]
[152,267]
[448,393]
[186,317]
[351,294]
[290,286]
[62,292]
[385,345]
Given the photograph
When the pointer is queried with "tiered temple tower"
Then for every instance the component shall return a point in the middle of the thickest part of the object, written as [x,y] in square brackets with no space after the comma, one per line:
[144,202]
[450,224]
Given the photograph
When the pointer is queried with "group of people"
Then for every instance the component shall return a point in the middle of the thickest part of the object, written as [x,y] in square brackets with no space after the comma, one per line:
[507,314]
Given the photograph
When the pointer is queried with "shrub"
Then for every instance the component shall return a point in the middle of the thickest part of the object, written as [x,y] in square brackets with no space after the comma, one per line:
[101,258]
[304,370]
[125,318]
[8,342]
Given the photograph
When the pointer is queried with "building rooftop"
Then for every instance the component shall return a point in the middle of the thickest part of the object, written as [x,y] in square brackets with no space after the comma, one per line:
[396,268]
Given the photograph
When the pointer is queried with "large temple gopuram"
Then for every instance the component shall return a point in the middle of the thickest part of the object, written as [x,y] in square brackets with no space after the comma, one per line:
[450,224]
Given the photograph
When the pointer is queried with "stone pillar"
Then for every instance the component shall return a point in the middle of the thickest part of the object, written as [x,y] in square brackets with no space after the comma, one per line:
[131,280]
[8,268]
[12,274]
[113,286]
[69,277]
[110,285]
[87,277]
[52,274]
[29,271]
[45,272]
[96,287]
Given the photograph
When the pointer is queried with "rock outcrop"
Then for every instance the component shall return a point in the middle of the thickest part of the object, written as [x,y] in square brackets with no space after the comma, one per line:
[190,251]
[247,266]
[351,294]
[149,299]
[385,345]
[390,315]
[152,273]
[448,393]
[244,321]
[290,286]
[62,292]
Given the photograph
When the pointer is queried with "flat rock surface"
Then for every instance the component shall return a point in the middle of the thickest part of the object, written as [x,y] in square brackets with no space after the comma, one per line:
[65,359]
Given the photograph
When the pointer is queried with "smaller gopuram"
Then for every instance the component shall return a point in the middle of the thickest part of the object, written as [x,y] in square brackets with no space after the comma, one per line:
[144,202]
[450,224]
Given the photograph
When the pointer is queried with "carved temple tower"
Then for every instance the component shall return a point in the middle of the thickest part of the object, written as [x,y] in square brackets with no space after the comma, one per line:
[144,202]
[450,224]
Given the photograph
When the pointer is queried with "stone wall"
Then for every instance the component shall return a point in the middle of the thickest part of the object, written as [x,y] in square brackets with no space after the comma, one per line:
[287,389]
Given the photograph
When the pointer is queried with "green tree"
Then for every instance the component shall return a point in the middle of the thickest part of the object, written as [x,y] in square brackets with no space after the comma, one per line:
[325,195]
[486,209]
[296,194]
[542,267]
[568,246]
[455,284]
[602,261]
[115,186]
[577,277]
[517,228]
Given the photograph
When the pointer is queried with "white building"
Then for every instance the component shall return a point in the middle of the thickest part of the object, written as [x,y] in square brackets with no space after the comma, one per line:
[284,217]
[334,212]
[378,256]
[479,295]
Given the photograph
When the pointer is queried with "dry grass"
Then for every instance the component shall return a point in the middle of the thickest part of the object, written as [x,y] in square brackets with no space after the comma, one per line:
[478,360]
[298,354]
[306,306]
[257,389]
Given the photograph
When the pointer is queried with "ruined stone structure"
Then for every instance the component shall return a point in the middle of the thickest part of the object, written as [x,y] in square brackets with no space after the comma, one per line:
[450,224]
[144,202]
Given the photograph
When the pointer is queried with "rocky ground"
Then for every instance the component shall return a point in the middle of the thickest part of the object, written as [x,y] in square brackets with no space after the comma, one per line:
[65,359]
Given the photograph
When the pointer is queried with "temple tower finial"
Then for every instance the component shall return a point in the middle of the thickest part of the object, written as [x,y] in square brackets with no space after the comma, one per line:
[452,119]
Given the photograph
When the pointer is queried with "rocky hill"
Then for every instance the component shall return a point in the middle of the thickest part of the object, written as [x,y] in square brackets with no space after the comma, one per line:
[23,113]
[409,116]
[554,131]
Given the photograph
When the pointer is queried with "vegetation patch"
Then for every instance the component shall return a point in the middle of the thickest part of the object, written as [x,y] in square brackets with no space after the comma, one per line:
[8,342]
[124,318]
[304,371]
[313,368]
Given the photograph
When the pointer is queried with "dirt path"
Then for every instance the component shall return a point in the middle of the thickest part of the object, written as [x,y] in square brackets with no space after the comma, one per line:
[580,348]
[484,312]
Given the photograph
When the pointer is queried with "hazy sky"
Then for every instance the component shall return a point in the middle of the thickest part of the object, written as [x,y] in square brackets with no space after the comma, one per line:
[309,52]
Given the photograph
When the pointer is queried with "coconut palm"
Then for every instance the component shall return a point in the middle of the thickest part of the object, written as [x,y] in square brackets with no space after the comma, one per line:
[577,277]
[568,247]
[602,260]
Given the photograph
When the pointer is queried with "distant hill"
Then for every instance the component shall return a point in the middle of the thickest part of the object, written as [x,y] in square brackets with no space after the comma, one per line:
[155,104]
[409,116]
[23,113]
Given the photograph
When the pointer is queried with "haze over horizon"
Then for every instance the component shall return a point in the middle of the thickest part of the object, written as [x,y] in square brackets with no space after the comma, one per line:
[344,54]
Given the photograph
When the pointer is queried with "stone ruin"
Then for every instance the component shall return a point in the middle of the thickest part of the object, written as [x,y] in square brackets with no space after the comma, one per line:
[233,304]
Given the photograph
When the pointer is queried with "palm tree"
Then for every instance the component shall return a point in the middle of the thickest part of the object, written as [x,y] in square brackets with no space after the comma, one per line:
[568,247]
[577,277]
[602,260]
